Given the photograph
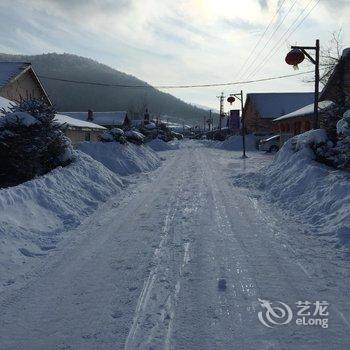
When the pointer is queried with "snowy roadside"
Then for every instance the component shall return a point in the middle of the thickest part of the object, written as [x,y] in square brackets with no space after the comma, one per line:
[318,196]
[35,215]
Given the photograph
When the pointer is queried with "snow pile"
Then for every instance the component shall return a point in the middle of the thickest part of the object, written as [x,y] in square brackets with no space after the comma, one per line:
[319,196]
[159,145]
[122,159]
[234,143]
[33,215]
[5,105]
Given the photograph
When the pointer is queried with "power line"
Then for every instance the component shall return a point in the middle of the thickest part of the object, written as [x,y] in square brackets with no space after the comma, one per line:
[302,21]
[271,37]
[276,47]
[173,86]
[260,39]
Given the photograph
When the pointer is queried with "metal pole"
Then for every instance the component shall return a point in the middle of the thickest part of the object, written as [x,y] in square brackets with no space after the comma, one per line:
[211,121]
[243,125]
[317,83]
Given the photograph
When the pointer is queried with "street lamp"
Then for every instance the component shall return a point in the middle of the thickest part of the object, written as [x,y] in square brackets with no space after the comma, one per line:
[296,56]
[231,99]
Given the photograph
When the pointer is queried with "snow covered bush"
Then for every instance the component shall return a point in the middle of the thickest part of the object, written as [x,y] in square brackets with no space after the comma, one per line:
[31,143]
[134,137]
[114,134]
[336,153]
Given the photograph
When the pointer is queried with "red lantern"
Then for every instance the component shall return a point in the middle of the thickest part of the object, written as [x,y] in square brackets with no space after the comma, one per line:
[295,57]
[231,99]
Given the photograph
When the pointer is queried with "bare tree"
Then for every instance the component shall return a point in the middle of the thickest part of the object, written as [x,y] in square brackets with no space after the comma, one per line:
[329,57]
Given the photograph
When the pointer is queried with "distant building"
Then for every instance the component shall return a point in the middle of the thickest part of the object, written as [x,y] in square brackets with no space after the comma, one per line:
[301,120]
[116,119]
[262,108]
[19,81]
[78,130]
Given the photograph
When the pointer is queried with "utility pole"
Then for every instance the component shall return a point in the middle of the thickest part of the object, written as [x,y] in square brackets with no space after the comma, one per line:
[210,121]
[222,113]
[231,99]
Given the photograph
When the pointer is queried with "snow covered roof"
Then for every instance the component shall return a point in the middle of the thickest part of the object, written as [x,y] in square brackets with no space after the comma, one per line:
[5,103]
[116,118]
[64,119]
[274,105]
[10,70]
[306,110]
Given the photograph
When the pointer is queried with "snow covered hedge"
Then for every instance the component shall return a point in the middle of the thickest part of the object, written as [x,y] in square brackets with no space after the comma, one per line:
[31,143]
[112,135]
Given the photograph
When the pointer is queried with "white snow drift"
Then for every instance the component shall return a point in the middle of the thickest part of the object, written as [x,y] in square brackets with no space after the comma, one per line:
[122,159]
[235,143]
[319,195]
[35,214]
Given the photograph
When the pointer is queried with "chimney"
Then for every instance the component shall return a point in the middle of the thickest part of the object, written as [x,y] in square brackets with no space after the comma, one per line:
[90,116]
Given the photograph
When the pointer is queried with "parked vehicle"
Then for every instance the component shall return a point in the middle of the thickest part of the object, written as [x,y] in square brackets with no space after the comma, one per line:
[271,144]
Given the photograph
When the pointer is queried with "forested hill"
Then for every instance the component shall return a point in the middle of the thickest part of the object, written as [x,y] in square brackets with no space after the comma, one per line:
[75,97]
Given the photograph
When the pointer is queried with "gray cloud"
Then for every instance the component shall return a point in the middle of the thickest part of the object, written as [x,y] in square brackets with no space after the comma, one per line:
[264,4]
[72,8]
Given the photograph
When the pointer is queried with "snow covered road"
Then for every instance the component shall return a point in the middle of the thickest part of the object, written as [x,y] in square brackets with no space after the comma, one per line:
[179,261]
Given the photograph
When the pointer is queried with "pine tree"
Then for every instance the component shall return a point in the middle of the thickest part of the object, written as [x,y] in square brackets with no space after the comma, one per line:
[31,142]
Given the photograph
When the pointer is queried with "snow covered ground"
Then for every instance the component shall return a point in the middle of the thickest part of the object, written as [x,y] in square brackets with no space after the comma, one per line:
[37,214]
[179,260]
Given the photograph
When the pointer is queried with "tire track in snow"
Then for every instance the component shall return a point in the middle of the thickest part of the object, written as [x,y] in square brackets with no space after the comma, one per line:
[152,314]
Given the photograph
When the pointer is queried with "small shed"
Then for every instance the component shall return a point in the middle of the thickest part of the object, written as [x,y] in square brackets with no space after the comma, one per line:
[78,130]
[114,119]
[18,80]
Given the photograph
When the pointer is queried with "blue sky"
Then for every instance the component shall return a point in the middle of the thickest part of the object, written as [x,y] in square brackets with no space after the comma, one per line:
[175,42]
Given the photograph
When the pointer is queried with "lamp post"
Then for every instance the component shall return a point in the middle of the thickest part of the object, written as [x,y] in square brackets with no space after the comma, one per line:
[232,99]
[296,56]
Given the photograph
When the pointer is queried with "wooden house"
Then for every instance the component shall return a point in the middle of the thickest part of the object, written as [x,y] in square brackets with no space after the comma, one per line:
[301,120]
[78,130]
[19,81]
[262,108]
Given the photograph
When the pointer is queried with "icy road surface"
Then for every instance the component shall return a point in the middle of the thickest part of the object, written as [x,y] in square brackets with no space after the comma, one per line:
[180,261]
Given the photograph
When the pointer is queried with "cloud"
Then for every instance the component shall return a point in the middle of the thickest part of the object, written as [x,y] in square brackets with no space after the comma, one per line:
[264,4]
[166,41]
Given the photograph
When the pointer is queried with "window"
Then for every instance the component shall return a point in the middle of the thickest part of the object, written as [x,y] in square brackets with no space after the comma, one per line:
[87,136]
[307,125]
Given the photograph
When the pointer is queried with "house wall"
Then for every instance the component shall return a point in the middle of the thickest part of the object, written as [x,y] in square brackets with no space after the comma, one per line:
[254,123]
[23,87]
[295,126]
[78,135]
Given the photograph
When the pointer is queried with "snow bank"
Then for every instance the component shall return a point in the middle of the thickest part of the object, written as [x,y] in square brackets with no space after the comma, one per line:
[33,215]
[159,145]
[234,143]
[318,195]
[122,159]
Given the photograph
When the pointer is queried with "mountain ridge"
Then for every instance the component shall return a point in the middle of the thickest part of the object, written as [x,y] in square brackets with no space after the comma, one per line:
[68,96]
